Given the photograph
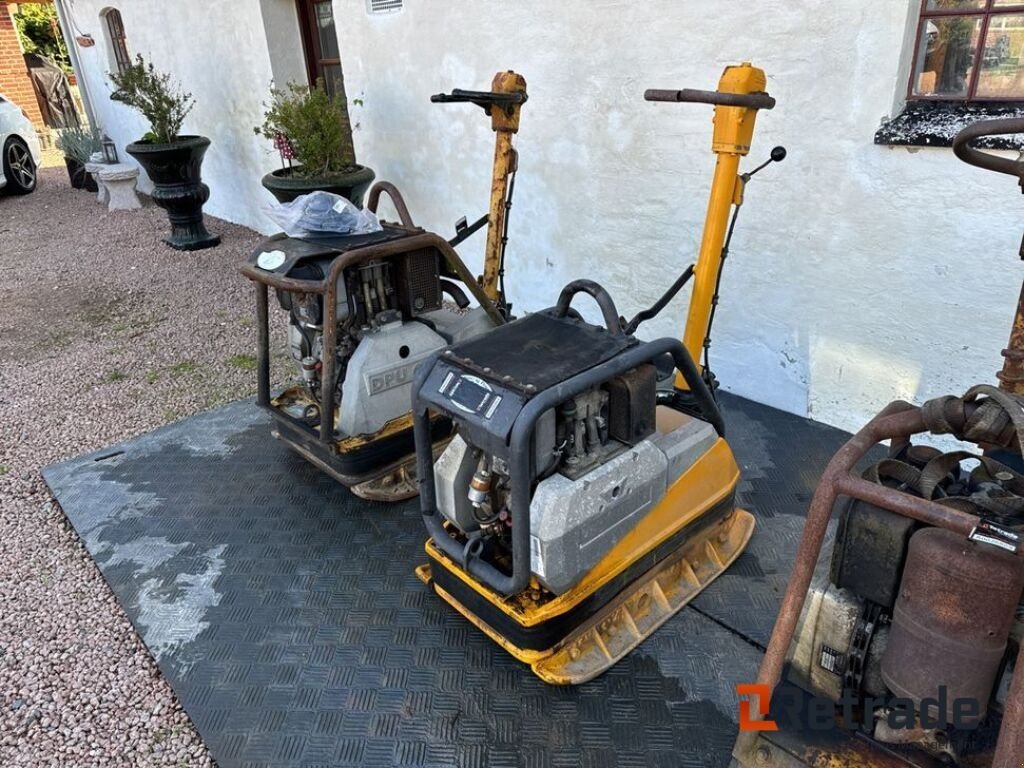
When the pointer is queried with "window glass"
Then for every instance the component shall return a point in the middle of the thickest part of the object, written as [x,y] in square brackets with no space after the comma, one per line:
[945,55]
[1002,63]
[954,5]
[332,78]
[118,45]
[325,29]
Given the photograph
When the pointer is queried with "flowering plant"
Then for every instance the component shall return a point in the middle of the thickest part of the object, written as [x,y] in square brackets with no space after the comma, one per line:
[310,127]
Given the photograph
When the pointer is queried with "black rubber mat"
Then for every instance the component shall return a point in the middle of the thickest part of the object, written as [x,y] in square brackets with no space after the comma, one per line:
[286,616]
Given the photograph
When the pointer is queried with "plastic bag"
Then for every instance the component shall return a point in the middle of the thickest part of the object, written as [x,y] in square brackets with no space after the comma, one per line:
[319,214]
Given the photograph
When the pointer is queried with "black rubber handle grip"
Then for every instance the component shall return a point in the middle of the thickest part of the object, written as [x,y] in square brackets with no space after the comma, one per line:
[693,96]
[479,97]
[962,145]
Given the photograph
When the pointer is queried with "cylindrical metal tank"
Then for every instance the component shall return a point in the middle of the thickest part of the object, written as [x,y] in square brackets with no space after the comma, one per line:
[951,621]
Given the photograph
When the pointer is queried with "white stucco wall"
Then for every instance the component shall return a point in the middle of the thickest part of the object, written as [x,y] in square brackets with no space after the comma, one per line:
[858,273]
[220,53]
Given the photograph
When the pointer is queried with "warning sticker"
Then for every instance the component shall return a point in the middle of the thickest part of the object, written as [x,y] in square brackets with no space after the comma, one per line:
[833,660]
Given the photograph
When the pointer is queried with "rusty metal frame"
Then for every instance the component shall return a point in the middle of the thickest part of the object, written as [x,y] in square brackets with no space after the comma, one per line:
[899,420]
[328,288]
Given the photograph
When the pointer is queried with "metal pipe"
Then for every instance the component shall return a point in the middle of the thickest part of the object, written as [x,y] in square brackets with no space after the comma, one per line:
[600,295]
[718,98]
[709,261]
[505,123]
[262,346]
[1011,378]
[1010,747]
[329,360]
[396,200]
[962,145]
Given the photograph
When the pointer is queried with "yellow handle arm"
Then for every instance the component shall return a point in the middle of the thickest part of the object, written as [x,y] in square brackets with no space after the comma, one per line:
[733,132]
[504,123]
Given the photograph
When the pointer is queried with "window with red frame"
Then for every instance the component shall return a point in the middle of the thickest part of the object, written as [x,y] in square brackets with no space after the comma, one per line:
[969,50]
[118,43]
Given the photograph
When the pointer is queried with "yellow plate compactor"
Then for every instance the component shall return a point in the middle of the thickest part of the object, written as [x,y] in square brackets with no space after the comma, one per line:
[587,496]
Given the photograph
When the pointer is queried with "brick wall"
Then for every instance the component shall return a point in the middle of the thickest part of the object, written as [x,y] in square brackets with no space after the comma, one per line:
[14,80]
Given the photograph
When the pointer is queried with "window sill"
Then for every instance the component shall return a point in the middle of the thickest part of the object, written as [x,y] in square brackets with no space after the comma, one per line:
[935,123]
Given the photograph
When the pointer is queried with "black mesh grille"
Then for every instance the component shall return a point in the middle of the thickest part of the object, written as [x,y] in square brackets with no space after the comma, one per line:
[418,282]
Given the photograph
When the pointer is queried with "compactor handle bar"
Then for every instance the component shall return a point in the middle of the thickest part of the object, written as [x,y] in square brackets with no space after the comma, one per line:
[601,296]
[718,98]
[962,146]
[485,99]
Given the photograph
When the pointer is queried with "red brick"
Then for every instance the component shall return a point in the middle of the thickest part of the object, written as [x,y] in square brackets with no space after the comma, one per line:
[14,77]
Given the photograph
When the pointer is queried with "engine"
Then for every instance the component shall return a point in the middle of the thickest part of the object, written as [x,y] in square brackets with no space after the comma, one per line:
[598,460]
[391,313]
[916,628]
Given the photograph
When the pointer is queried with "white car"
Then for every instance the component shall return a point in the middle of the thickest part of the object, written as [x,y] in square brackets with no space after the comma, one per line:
[19,149]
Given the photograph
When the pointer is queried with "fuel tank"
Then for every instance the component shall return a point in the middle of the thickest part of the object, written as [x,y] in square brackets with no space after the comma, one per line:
[951,622]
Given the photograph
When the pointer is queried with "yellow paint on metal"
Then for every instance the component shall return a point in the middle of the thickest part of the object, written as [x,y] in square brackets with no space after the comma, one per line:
[505,124]
[635,614]
[712,479]
[355,442]
[733,133]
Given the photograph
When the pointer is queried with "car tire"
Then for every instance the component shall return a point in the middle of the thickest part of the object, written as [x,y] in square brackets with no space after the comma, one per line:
[19,168]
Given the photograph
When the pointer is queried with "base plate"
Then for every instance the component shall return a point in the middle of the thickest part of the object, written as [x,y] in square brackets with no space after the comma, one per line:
[635,613]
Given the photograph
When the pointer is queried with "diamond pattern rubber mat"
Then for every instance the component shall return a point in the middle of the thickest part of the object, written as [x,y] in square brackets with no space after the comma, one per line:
[286,616]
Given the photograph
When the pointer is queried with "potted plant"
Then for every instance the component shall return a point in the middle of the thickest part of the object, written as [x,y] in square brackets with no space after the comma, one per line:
[79,143]
[312,131]
[173,161]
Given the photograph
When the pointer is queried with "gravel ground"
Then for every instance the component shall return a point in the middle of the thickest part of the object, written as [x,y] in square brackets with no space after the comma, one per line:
[105,333]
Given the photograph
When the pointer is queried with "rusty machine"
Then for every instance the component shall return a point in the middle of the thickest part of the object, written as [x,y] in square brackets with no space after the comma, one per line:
[364,310]
[588,495]
[910,637]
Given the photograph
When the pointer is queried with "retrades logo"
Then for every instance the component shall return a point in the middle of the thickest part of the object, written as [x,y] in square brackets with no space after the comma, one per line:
[762,696]
[820,712]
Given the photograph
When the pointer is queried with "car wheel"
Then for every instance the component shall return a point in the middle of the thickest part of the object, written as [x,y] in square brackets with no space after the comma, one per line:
[19,168]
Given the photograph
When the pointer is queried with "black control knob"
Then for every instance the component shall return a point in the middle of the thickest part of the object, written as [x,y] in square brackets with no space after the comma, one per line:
[778,154]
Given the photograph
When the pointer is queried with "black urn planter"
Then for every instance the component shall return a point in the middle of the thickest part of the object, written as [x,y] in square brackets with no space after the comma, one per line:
[78,176]
[175,170]
[286,186]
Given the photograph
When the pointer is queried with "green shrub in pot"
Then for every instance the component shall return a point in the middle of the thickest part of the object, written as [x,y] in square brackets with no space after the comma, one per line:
[312,131]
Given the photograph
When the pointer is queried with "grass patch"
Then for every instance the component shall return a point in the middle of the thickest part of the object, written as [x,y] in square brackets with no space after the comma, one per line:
[151,377]
[3,470]
[243,362]
[183,368]
[115,376]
